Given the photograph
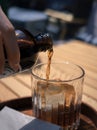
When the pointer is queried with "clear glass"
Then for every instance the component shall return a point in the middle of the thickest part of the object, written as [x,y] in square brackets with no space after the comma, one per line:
[58,100]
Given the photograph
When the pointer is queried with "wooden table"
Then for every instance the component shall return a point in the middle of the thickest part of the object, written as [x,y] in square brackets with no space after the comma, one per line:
[78,52]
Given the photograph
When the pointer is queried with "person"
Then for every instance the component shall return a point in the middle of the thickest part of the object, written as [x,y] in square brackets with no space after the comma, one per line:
[8,41]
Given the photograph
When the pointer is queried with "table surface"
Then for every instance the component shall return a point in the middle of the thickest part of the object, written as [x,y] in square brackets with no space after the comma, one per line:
[78,52]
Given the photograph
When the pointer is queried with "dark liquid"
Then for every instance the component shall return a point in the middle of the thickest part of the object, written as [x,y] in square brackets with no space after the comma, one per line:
[57,107]
[28,55]
[64,119]
[50,54]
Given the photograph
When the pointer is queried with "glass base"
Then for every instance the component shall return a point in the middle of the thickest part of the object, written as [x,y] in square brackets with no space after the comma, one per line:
[69,128]
[73,127]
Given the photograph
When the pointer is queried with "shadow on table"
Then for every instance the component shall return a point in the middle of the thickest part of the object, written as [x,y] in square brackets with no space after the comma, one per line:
[41,125]
[37,124]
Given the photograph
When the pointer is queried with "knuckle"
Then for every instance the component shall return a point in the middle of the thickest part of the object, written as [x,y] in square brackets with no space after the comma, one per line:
[14,65]
[9,29]
[14,59]
[0,35]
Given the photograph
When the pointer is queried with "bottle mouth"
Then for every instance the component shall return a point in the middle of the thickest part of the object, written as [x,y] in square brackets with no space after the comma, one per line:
[45,48]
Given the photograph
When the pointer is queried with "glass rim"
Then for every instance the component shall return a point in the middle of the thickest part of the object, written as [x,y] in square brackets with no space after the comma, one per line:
[58,62]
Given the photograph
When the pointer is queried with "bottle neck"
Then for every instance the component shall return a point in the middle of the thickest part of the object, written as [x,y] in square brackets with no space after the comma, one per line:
[43,42]
[40,42]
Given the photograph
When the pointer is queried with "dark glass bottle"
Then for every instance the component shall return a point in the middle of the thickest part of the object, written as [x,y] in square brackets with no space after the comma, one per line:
[29,46]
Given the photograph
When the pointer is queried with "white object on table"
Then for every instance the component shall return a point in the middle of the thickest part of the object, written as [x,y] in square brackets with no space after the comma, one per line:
[11,119]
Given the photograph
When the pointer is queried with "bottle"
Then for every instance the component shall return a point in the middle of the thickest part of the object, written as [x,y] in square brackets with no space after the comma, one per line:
[29,46]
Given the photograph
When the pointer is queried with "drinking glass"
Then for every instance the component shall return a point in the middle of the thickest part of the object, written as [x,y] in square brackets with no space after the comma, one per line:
[58,98]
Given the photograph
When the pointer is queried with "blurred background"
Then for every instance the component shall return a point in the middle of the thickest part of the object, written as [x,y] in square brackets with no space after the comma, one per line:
[63,19]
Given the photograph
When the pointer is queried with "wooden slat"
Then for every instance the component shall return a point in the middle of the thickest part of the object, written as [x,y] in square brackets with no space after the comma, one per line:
[66,17]
[72,55]
[19,89]
[6,93]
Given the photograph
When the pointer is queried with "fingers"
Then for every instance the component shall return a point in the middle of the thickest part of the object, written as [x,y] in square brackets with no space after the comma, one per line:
[2,59]
[12,49]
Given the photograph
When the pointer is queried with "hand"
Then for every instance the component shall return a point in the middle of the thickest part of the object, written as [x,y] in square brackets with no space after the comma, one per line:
[8,40]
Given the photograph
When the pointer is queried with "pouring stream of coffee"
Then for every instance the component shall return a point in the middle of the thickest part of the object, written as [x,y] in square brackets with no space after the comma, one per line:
[50,54]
